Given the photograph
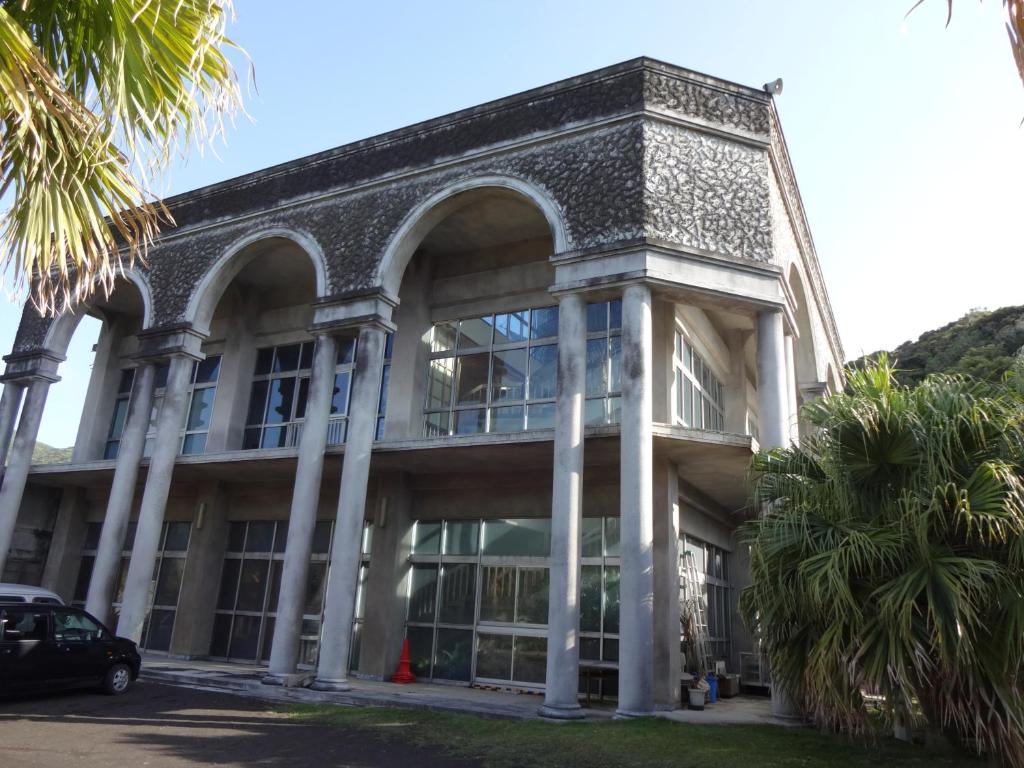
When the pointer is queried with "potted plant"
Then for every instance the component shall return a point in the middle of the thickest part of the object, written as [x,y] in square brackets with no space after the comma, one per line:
[697,693]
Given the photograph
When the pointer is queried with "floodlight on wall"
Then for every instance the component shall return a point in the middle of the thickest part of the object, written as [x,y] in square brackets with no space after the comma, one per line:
[774,87]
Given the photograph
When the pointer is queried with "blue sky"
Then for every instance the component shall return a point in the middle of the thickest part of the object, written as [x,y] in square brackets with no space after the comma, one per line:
[906,136]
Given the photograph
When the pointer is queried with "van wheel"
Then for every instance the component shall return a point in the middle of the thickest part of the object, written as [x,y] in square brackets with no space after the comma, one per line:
[118,680]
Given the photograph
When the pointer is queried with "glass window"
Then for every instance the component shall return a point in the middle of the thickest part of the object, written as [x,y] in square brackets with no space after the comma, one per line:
[422,592]
[525,536]
[453,656]
[471,378]
[460,537]
[544,323]
[699,395]
[475,333]
[532,596]
[498,594]
[494,656]
[426,538]
[530,659]
[458,594]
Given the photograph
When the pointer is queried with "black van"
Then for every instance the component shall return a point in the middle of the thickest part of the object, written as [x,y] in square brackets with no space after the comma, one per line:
[45,647]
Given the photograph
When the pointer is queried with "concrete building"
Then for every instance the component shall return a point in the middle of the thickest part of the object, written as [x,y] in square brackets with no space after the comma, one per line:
[478,383]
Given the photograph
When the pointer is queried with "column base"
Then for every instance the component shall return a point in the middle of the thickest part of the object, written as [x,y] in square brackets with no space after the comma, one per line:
[327,684]
[288,680]
[568,712]
[626,714]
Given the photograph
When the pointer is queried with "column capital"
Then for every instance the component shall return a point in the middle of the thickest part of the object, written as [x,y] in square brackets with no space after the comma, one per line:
[345,313]
[179,340]
[25,367]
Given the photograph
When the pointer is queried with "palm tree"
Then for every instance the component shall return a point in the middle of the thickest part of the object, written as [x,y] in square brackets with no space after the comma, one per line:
[97,96]
[888,562]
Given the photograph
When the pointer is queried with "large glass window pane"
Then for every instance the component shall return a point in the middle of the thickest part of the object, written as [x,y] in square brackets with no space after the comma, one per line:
[507,419]
[530,659]
[443,339]
[118,419]
[317,580]
[236,537]
[453,656]
[279,404]
[494,656]
[590,598]
[274,437]
[615,364]
[158,633]
[286,358]
[339,400]
[471,378]
[300,401]
[594,412]
[124,385]
[208,370]
[460,537]
[177,537]
[245,636]
[532,599]
[524,536]
[169,581]
[421,648]
[543,371]
[540,416]
[346,350]
[261,537]
[508,375]
[615,314]
[194,444]
[544,323]
[597,357]
[511,327]
[458,594]
[221,635]
[322,537]
[264,361]
[84,575]
[306,359]
[611,600]
[423,593]
[228,584]
[201,409]
[498,594]
[426,538]
[597,317]
[475,332]
[612,536]
[439,383]
[252,585]
[592,537]
[470,422]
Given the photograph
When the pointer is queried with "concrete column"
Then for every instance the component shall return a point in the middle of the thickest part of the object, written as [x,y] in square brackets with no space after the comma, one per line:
[193,624]
[122,493]
[138,584]
[636,611]
[773,413]
[736,388]
[342,580]
[667,668]
[284,654]
[65,554]
[562,681]
[16,475]
[774,425]
[384,602]
[10,402]
[791,401]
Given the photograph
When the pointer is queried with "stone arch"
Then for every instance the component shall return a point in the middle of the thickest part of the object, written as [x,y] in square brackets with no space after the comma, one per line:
[235,258]
[425,216]
[63,326]
[806,356]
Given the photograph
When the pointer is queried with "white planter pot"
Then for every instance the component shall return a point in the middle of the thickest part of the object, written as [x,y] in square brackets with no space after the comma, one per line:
[696,698]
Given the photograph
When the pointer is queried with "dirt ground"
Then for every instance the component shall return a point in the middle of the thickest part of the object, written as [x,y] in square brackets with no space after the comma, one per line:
[156,725]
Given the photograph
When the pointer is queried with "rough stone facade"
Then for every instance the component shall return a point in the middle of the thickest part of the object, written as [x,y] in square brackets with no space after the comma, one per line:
[638,151]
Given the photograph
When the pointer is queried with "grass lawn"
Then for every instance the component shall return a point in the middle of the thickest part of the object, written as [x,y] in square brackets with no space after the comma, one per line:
[623,744]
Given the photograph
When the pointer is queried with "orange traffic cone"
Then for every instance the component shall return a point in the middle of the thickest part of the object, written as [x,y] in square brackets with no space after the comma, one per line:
[404,674]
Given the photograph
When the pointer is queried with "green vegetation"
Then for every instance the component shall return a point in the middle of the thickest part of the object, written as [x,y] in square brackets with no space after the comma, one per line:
[889,557]
[47,454]
[979,344]
[622,744]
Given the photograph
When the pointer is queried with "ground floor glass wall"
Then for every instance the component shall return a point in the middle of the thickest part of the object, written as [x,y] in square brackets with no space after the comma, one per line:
[478,598]
[164,588]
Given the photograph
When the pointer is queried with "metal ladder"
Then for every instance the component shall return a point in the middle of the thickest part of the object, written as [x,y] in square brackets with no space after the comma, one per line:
[693,610]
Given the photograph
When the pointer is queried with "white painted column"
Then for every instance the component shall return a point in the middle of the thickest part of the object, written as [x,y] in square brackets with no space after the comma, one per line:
[342,580]
[791,390]
[137,587]
[773,416]
[10,401]
[284,653]
[103,581]
[562,680]
[636,608]
[774,424]
[16,474]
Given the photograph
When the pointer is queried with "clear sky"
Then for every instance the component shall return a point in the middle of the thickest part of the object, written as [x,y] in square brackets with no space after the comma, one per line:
[906,136]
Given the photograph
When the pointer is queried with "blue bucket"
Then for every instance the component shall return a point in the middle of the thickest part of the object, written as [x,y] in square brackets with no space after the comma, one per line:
[713,693]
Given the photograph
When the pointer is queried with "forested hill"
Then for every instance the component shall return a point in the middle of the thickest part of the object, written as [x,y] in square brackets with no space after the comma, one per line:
[982,344]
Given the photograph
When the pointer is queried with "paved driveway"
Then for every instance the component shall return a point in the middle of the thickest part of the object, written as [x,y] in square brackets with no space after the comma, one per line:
[157,725]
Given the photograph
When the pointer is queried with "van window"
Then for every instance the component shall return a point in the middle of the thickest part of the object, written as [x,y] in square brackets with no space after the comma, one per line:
[70,626]
[11,599]
[47,601]
[23,625]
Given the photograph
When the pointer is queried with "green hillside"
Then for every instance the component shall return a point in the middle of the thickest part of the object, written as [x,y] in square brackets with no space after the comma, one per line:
[47,454]
[982,344]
